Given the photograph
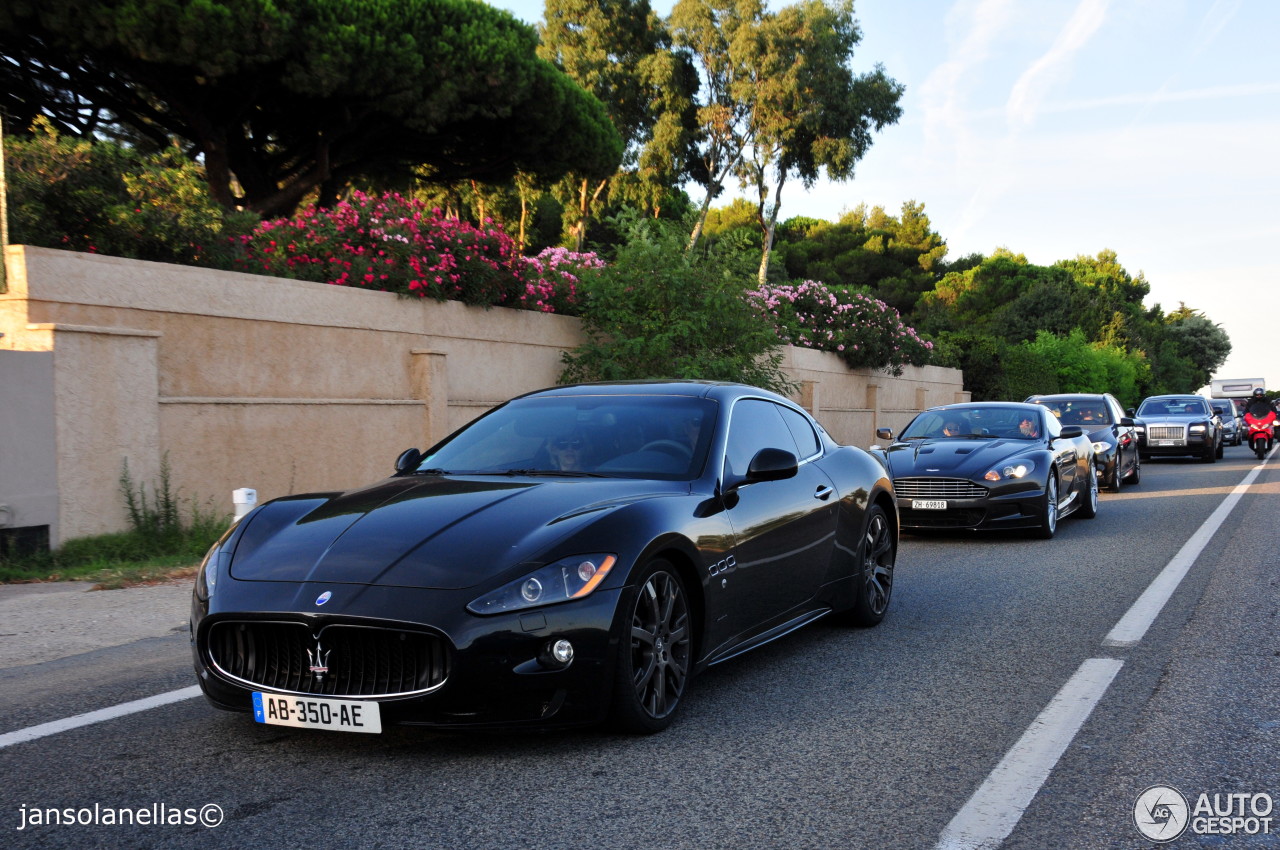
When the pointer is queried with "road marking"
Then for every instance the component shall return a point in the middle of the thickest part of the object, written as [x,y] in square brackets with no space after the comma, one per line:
[56,726]
[1134,624]
[991,814]
[997,806]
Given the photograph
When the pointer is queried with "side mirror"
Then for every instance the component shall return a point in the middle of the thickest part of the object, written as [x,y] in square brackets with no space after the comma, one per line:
[771,465]
[1070,432]
[885,434]
[1127,421]
[1132,411]
[408,461]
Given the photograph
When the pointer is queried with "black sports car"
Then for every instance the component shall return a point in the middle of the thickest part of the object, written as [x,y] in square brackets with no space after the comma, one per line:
[991,465]
[1113,434]
[574,555]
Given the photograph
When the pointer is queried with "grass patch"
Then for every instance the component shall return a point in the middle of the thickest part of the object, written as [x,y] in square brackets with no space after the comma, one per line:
[160,545]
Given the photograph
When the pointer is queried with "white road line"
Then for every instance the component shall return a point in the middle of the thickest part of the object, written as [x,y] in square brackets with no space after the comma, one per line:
[997,806]
[1134,624]
[54,727]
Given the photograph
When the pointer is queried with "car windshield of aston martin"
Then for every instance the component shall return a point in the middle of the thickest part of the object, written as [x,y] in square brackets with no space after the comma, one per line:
[984,423]
[624,436]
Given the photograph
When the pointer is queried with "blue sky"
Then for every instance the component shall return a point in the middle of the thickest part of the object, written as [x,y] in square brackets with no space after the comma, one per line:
[1058,128]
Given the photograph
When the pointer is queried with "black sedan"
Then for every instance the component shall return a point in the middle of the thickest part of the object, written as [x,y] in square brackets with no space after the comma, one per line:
[991,465]
[574,555]
[1113,434]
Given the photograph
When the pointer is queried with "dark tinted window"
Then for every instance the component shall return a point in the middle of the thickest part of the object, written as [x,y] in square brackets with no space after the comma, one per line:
[802,431]
[755,425]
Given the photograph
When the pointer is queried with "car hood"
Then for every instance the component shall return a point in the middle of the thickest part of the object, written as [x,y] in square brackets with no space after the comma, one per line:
[430,532]
[954,458]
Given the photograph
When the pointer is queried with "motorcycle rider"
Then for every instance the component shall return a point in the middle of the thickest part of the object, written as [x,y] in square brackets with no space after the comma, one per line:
[1258,406]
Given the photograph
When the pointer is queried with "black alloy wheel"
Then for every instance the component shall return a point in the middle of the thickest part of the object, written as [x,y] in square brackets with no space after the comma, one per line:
[1136,475]
[655,654]
[877,553]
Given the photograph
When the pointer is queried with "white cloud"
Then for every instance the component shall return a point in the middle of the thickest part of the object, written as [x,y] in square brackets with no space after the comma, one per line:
[1032,87]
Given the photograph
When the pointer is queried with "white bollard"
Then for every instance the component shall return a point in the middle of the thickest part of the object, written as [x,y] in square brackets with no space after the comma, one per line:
[244,499]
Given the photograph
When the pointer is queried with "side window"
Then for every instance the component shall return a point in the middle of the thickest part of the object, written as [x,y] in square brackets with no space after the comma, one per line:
[755,425]
[1053,428]
[802,431]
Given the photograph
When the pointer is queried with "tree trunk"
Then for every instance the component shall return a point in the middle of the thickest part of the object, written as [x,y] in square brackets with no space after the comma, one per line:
[770,228]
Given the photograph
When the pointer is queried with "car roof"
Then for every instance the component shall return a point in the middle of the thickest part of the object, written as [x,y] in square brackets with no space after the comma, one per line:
[980,405]
[1068,397]
[717,390]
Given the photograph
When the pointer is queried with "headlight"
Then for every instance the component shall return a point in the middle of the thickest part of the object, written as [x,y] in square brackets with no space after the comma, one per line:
[1198,429]
[568,578]
[1101,448]
[207,578]
[1141,429]
[1013,470]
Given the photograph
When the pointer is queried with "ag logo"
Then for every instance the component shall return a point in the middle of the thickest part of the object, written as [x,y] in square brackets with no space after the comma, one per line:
[1161,813]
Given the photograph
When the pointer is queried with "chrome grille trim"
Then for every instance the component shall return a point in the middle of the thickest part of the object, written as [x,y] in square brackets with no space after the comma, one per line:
[938,488]
[1167,432]
[364,661]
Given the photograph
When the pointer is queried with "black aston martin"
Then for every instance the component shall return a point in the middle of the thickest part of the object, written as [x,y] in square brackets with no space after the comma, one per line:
[991,465]
[575,555]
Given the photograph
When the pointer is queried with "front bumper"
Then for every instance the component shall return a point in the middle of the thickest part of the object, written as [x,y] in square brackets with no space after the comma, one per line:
[492,670]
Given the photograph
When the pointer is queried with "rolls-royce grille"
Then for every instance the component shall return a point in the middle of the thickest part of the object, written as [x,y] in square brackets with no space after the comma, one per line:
[1166,432]
[342,661]
[938,488]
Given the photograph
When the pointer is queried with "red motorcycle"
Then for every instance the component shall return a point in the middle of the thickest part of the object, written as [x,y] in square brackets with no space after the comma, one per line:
[1261,432]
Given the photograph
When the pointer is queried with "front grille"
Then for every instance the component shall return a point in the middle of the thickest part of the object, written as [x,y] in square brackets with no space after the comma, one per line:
[1166,432]
[938,488]
[363,661]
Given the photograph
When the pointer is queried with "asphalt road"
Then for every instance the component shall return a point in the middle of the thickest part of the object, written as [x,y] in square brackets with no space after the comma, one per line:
[832,737]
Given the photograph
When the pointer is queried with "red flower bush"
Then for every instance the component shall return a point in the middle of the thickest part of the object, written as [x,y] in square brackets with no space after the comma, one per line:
[395,244]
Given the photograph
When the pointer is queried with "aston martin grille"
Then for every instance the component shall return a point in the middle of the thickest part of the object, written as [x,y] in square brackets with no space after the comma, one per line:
[1166,432]
[938,488]
[342,660]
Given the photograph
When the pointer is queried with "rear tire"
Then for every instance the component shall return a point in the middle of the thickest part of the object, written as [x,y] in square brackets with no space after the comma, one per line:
[655,654]
[873,578]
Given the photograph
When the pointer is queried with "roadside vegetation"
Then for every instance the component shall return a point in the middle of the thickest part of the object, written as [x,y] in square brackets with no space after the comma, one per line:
[295,140]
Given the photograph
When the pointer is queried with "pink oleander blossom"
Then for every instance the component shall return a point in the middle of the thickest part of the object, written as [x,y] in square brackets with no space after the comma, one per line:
[863,330]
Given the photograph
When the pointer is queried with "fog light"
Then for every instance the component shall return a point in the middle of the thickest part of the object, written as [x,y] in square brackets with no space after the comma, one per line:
[562,651]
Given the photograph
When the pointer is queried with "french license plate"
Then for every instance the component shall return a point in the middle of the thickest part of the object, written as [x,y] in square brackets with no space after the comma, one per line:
[339,715]
[928,504]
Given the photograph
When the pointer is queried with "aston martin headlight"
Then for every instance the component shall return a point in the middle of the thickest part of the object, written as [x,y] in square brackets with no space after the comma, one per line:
[1100,447]
[568,578]
[1013,470]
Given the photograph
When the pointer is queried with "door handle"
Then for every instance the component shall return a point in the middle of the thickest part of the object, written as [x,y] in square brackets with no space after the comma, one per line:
[824,492]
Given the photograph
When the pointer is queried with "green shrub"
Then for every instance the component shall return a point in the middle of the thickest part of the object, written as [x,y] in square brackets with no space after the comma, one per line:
[657,312]
[105,198]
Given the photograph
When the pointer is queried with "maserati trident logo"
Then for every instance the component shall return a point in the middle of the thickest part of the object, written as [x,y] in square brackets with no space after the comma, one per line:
[319,661]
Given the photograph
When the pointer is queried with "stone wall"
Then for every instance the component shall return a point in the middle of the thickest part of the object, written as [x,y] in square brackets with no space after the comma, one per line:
[283,386]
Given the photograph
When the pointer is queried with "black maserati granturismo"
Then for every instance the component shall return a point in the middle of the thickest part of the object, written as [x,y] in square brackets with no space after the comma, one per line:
[575,555]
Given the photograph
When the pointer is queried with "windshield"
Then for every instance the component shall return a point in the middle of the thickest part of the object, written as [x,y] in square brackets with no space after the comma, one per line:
[631,436]
[1089,413]
[976,423]
[1174,407]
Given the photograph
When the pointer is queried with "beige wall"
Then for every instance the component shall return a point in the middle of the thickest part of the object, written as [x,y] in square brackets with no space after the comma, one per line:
[282,386]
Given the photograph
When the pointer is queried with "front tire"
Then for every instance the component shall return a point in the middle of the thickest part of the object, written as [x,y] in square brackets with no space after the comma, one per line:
[1049,510]
[1136,475]
[1115,480]
[655,654]
[874,578]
